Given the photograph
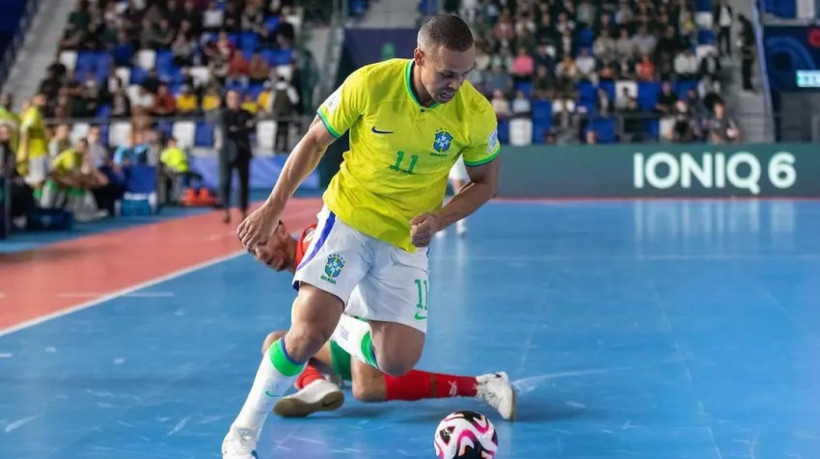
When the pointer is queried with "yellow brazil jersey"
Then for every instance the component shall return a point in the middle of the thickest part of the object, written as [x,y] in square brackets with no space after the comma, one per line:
[37,140]
[67,161]
[400,151]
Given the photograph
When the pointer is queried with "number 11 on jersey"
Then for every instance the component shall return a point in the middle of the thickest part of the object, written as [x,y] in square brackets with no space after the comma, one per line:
[400,158]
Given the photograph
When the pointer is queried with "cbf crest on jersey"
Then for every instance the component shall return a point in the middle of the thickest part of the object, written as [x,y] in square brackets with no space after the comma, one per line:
[333,268]
[442,141]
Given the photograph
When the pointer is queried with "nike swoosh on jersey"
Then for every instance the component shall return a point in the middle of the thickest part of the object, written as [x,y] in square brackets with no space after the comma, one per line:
[376,131]
[420,317]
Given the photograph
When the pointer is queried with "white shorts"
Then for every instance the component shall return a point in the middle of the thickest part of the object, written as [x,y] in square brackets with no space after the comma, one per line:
[376,280]
[459,171]
[37,170]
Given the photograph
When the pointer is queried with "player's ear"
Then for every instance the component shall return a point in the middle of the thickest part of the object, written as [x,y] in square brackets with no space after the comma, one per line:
[418,56]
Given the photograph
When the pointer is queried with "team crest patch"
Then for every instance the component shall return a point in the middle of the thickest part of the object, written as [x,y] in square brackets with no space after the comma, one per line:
[442,141]
[333,268]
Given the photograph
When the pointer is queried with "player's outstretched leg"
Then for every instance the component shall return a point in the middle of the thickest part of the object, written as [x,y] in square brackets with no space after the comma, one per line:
[314,320]
[370,385]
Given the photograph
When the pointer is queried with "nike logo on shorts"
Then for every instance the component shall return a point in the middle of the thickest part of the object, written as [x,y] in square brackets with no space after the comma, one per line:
[418,316]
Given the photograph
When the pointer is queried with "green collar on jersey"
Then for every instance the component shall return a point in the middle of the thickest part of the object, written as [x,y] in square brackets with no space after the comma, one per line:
[408,84]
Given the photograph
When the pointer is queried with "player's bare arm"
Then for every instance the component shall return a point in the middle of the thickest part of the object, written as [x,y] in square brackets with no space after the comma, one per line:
[257,228]
[482,186]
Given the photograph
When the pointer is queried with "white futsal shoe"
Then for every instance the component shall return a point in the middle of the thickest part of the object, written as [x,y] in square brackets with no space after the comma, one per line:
[319,395]
[496,390]
[239,444]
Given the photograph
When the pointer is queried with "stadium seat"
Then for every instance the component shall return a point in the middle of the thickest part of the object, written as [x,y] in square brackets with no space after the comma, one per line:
[200,75]
[609,87]
[78,131]
[704,20]
[69,59]
[605,128]
[272,23]
[204,134]
[630,86]
[520,132]
[648,94]
[265,134]
[525,87]
[504,131]
[119,133]
[146,59]
[539,128]
[185,133]
[706,37]
[124,74]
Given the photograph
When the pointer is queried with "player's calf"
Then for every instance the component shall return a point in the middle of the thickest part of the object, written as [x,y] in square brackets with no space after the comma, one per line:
[367,382]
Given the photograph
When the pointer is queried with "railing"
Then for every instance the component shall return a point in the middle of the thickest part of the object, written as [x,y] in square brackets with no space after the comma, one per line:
[19,38]
[764,71]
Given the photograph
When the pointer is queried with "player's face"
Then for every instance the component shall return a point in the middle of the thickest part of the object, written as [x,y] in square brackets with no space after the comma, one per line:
[444,71]
[275,252]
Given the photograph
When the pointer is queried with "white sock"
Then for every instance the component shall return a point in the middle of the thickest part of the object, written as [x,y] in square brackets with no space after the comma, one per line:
[275,376]
[353,335]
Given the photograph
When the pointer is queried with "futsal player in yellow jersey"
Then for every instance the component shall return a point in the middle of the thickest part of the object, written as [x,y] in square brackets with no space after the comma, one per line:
[409,121]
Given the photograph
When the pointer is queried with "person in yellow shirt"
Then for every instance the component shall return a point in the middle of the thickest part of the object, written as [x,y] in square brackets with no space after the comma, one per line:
[186,102]
[409,121]
[32,154]
[175,168]
[10,119]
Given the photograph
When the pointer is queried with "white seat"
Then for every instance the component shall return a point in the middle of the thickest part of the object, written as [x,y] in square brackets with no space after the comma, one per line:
[78,131]
[200,75]
[265,135]
[704,20]
[147,58]
[119,133]
[69,59]
[183,132]
[630,86]
[124,74]
[520,132]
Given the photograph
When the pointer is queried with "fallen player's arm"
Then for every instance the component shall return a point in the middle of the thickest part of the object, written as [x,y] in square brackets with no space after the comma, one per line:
[301,162]
[482,186]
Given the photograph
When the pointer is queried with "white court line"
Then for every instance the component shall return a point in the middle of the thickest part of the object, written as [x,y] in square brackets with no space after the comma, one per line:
[118,293]
[127,295]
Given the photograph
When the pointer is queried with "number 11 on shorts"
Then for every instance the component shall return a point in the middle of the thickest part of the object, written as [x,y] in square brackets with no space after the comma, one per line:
[421,307]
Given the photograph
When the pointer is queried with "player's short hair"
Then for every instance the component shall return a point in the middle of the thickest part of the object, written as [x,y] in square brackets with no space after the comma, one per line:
[446,30]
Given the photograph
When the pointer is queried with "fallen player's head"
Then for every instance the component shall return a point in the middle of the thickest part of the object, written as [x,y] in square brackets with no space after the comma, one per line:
[445,55]
[278,252]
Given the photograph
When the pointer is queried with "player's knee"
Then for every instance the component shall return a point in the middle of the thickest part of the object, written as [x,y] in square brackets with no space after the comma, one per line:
[271,338]
[396,364]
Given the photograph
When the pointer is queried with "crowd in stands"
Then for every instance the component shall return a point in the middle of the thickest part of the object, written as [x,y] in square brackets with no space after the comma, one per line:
[589,71]
[139,82]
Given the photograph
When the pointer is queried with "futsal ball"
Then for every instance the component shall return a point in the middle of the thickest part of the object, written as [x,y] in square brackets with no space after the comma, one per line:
[465,435]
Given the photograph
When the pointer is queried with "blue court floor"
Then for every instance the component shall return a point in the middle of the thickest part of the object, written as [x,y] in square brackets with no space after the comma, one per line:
[636,329]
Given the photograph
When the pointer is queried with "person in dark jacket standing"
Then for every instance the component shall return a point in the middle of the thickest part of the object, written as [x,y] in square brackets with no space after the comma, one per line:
[235,153]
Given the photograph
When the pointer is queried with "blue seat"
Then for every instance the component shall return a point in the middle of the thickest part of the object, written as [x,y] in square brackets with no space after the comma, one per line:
[525,87]
[683,86]
[586,91]
[609,87]
[648,94]
[86,61]
[248,41]
[254,90]
[204,134]
[706,37]
[504,131]
[605,128]
[539,128]
[281,57]
[138,75]
[271,23]
[541,110]
[103,111]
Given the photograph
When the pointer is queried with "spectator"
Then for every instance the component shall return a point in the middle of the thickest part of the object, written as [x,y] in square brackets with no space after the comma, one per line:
[59,142]
[186,103]
[666,99]
[523,66]
[500,105]
[236,126]
[521,105]
[722,129]
[686,64]
[723,18]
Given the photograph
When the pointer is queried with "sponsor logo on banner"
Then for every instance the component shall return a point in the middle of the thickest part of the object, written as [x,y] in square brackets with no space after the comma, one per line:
[740,170]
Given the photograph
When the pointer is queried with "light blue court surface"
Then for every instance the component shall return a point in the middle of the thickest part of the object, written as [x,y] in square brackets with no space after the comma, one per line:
[664,329]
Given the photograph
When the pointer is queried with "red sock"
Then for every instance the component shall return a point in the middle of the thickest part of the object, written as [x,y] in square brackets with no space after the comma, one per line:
[309,374]
[416,385]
